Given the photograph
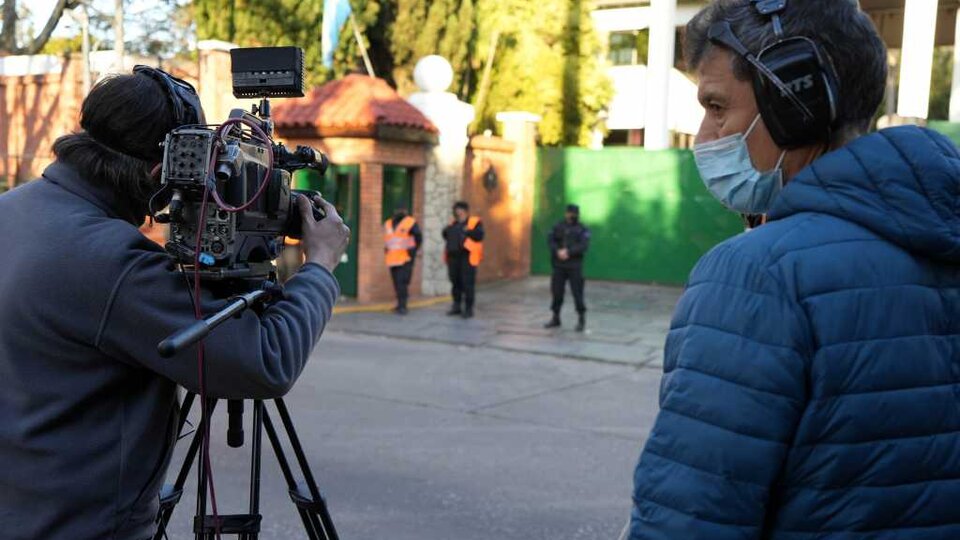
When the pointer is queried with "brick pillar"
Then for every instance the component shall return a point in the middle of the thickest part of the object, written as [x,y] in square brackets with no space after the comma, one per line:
[520,128]
[372,276]
[215,79]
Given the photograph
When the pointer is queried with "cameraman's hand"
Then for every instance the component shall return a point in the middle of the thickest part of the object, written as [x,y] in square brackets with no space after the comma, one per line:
[324,242]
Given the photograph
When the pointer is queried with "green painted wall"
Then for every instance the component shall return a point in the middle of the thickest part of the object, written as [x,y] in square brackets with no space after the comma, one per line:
[950,129]
[650,216]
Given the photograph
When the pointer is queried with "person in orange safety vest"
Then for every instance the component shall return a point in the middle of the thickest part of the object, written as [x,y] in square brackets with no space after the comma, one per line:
[402,239]
[463,253]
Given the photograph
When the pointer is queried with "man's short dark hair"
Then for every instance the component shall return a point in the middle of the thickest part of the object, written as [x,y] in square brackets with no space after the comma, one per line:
[462,205]
[125,118]
[842,31]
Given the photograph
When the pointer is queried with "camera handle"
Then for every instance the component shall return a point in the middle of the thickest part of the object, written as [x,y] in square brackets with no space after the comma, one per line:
[185,337]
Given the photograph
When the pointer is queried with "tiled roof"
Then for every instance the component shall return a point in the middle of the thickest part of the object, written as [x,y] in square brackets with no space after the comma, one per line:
[356,105]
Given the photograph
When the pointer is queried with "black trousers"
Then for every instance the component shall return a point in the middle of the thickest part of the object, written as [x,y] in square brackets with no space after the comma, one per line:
[558,286]
[401,282]
[463,278]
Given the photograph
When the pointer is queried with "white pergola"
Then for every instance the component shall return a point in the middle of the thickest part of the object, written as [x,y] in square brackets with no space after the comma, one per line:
[924,24]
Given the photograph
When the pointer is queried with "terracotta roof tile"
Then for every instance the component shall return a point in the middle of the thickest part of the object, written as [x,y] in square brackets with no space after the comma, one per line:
[355,103]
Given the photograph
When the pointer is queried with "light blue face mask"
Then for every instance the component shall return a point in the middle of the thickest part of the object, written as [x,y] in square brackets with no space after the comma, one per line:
[729,174]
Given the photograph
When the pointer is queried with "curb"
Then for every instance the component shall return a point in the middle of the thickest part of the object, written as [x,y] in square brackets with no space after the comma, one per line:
[388,306]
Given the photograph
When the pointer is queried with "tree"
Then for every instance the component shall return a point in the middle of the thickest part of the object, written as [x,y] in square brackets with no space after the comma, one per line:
[444,27]
[547,62]
[11,21]
[546,58]
[261,23]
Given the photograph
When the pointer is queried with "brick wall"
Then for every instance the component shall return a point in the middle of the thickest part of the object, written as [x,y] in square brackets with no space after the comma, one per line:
[34,111]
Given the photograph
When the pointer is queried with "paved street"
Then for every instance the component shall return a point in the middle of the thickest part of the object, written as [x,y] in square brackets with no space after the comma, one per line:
[469,430]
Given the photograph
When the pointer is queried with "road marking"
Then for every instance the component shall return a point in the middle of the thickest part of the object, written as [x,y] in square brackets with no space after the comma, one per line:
[388,306]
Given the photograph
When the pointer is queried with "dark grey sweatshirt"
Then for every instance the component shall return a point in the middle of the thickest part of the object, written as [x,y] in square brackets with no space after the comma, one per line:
[87,406]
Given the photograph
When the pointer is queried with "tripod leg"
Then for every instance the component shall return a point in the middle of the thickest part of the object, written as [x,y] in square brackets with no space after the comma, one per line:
[309,524]
[202,473]
[255,453]
[322,511]
[311,504]
[169,500]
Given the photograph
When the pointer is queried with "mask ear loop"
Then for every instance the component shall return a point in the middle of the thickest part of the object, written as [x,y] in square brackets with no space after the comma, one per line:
[783,154]
[747,133]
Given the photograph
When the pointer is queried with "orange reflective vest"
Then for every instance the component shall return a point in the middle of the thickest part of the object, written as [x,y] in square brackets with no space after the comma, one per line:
[472,246]
[398,241]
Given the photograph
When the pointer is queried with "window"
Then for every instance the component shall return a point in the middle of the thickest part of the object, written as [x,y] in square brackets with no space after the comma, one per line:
[623,48]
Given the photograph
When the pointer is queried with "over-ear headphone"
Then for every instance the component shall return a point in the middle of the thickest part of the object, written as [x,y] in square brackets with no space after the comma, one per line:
[183,98]
[795,84]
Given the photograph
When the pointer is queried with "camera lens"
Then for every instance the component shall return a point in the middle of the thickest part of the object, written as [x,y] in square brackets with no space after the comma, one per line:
[222,215]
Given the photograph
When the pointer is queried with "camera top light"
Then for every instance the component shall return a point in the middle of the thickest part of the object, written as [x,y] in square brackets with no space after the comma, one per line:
[267,72]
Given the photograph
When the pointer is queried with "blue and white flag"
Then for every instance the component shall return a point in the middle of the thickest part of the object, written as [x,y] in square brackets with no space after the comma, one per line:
[335,13]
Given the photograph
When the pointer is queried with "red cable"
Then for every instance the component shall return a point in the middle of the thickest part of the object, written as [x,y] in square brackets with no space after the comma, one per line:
[198,313]
[266,176]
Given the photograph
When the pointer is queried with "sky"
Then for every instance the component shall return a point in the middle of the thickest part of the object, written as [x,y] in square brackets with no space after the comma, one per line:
[41,10]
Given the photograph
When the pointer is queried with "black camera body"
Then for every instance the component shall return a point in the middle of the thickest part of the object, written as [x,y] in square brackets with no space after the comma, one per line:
[231,197]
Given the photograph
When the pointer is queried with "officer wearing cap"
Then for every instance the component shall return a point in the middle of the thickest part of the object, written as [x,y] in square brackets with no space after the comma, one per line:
[568,241]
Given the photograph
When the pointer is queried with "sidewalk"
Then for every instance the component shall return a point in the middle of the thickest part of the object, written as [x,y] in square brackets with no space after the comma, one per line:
[627,323]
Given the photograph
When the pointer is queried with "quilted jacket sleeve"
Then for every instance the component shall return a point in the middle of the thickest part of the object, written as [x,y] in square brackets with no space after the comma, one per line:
[732,393]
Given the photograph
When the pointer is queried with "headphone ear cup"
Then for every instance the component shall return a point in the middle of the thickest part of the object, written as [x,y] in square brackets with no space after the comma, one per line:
[798,64]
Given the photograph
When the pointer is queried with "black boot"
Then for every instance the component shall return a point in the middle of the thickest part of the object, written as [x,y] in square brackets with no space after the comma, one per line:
[455,310]
[582,323]
[468,313]
[554,322]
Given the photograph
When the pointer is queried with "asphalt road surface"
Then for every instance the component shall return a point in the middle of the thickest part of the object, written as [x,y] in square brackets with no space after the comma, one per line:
[418,440]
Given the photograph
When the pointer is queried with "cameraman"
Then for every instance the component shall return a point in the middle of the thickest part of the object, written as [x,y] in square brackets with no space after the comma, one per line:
[89,409]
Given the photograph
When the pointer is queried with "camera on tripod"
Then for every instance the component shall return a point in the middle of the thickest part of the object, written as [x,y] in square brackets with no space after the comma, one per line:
[231,197]
[231,202]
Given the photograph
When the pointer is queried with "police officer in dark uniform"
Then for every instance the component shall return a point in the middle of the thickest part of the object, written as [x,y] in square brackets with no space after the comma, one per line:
[568,241]
[463,253]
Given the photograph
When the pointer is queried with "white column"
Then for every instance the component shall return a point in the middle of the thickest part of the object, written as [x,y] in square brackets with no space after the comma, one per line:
[659,63]
[955,87]
[443,178]
[916,61]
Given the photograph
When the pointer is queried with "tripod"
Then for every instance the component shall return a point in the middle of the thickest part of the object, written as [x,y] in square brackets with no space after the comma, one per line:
[305,494]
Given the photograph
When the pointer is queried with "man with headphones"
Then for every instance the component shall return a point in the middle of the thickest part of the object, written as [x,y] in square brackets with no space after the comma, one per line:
[811,384]
[89,409]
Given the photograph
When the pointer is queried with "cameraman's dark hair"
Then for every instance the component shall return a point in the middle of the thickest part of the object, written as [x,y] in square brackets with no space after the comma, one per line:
[124,120]
[844,33]
[462,205]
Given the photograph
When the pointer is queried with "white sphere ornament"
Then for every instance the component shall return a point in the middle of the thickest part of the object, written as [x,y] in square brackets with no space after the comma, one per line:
[433,74]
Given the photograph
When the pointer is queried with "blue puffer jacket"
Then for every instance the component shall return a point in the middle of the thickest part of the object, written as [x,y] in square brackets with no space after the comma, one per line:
[811,384]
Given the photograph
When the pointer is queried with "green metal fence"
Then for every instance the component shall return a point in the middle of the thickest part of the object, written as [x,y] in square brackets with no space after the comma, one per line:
[650,216]
[950,129]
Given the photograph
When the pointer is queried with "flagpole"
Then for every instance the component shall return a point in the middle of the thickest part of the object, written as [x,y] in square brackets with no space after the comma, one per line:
[363,48]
